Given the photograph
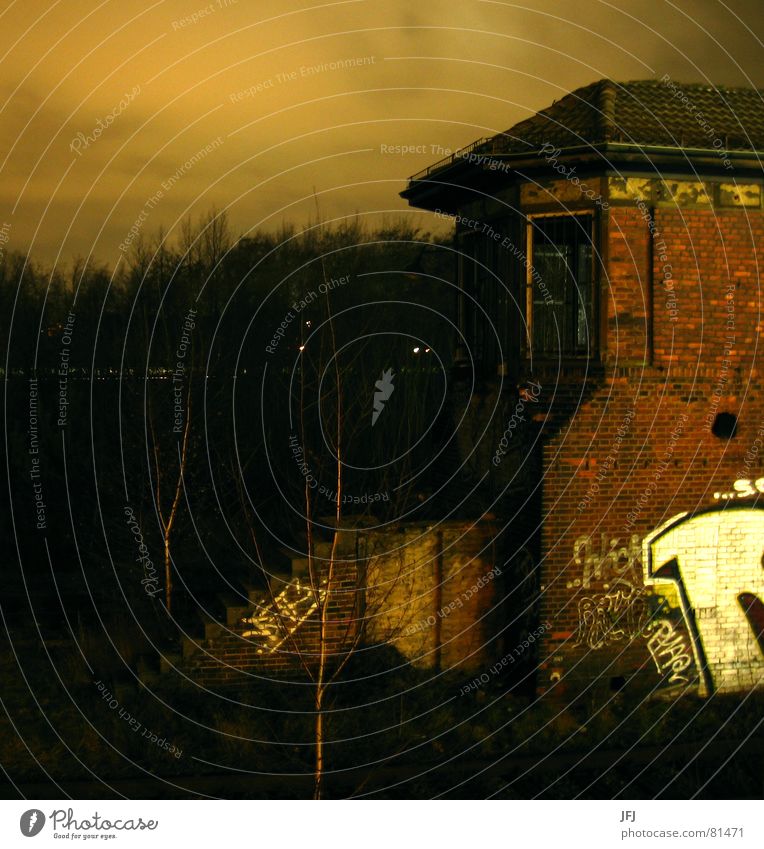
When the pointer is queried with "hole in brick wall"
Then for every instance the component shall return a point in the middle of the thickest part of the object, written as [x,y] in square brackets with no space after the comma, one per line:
[725,426]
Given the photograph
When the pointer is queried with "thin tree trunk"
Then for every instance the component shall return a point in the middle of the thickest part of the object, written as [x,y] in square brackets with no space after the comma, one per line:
[167,573]
[319,733]
[167,524]
[325,606]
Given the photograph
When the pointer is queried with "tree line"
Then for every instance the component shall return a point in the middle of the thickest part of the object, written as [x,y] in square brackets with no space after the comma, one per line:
[178,383]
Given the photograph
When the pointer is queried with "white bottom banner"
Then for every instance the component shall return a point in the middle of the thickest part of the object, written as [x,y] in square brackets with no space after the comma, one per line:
[374,825]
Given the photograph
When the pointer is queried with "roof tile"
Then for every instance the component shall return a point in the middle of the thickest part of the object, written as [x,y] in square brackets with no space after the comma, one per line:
[645,113]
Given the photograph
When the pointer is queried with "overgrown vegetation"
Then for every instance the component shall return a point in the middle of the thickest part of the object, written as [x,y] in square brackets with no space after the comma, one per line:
[410,735]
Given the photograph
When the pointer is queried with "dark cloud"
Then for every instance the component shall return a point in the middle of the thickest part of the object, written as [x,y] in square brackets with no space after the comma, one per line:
[304,96]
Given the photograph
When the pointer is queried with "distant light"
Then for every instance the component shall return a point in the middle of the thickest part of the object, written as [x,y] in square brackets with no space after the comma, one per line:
[302,347]
[307,324]
[427,350]
[416,350]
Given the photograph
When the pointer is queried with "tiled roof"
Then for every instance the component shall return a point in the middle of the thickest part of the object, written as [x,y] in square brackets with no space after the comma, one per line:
[645,113]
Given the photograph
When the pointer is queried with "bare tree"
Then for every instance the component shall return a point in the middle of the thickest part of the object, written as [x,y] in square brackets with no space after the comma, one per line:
[168,486]
[322,622]
[169,452]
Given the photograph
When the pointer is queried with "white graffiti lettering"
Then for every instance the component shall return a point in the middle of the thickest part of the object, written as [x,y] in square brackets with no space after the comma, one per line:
[668,650]
[742,488]
[612,562]
[715,560]
[610,617]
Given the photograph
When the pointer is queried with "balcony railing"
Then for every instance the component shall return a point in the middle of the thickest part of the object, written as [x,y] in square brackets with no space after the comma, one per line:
[448,160]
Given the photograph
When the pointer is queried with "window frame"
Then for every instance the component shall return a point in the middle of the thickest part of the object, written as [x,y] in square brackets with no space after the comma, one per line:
[593,318]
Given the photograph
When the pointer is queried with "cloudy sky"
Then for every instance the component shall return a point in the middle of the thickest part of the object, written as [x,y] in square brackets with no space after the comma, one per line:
[118,114]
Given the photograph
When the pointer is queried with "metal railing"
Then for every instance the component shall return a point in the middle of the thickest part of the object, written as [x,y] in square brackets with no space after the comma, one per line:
[448,160]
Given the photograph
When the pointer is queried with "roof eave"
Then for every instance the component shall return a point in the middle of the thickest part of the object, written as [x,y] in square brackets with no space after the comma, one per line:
[450,179]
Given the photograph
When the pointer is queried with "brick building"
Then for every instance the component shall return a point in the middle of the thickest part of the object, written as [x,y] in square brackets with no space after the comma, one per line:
[431,590]
[609,323]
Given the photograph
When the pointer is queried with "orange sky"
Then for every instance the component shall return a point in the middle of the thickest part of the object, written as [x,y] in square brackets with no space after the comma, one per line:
[244,79]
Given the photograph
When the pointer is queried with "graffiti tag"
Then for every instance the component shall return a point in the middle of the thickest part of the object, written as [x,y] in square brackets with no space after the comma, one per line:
[668,650]
[275,623]
[612,562]
[609,617]
[714,558]
[742,488]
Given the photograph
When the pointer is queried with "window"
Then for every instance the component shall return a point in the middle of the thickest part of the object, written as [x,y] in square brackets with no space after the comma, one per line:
[560,286]
[485,298]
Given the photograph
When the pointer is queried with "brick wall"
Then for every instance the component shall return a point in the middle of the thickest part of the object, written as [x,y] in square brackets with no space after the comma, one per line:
[432,592]
[639,450]
[280,635]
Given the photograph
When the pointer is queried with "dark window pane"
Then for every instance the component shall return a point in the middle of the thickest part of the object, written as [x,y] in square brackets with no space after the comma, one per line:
[485,297]
[562,300]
